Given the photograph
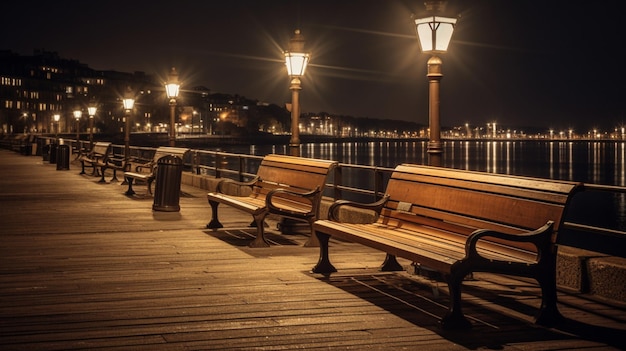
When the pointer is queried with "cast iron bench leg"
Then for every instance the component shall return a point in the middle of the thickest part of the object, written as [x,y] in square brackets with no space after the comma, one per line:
[102,180]
[548,314]
[455,319]
[114,178]
[214,223]
[130,190]
[259,241]
[323,264]
[391,264]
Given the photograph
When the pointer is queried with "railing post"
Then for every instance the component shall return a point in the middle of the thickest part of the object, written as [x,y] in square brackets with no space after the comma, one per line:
[379,185]
[338,181]
[196,163]
[216,162]
[240,169]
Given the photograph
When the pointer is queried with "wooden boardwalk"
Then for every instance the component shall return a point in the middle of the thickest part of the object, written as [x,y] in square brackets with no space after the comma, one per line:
[84,267]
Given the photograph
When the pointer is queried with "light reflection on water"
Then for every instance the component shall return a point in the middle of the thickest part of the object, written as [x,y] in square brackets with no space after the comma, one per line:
[597,162]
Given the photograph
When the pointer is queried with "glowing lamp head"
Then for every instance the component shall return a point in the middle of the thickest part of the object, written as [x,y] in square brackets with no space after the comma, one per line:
[78,114]
[296,59]
[172,87]
[434,31]
[92,110]
[128,103]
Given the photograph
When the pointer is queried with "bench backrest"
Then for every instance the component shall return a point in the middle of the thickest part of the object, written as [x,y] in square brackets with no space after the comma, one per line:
[100,149]
[298,173]
[468,200]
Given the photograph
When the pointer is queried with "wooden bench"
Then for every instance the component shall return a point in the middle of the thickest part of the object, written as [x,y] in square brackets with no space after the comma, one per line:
[95,158]
[457,222]
[287,186]
[146,172]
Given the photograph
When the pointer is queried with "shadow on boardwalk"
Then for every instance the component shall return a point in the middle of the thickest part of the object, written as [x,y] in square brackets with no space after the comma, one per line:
[84,267]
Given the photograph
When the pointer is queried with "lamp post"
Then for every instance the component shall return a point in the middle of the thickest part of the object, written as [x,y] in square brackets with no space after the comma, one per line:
[56,118]
[434,32]
[296,60]
[172,88]
[92,112]
[78,114]
[128,103]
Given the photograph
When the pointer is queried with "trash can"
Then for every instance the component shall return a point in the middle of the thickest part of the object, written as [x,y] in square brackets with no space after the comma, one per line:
[39,146]
[167,190]
[53,153]
[63,158]
[45,152]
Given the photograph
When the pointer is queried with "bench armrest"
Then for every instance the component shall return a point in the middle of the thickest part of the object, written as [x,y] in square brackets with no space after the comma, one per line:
[541,238]
[250,183]
[312,196]
[377,206]
[148,165]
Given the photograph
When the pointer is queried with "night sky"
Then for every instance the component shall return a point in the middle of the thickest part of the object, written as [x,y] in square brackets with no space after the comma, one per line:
[520,63]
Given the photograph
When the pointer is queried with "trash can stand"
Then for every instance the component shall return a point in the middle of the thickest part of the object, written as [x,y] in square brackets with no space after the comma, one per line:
[168,179]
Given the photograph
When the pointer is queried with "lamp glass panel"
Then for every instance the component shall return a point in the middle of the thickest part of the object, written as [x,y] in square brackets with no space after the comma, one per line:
[92,110]
[296,63]
[425,36]
[172,90]
[445,28]
[128,103]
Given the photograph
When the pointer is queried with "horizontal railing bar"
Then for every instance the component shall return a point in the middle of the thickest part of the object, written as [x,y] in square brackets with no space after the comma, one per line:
[593,229]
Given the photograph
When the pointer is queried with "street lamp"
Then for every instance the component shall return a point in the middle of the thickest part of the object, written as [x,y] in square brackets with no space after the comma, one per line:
[128,102]
[56,118]
[434,32]
[78,114]
[172,88]
[92,112]
[296,60]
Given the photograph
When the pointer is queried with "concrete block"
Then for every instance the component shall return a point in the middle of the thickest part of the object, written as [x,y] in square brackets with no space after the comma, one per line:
[607,278]
[203,182]
[348,214]
[571,268]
